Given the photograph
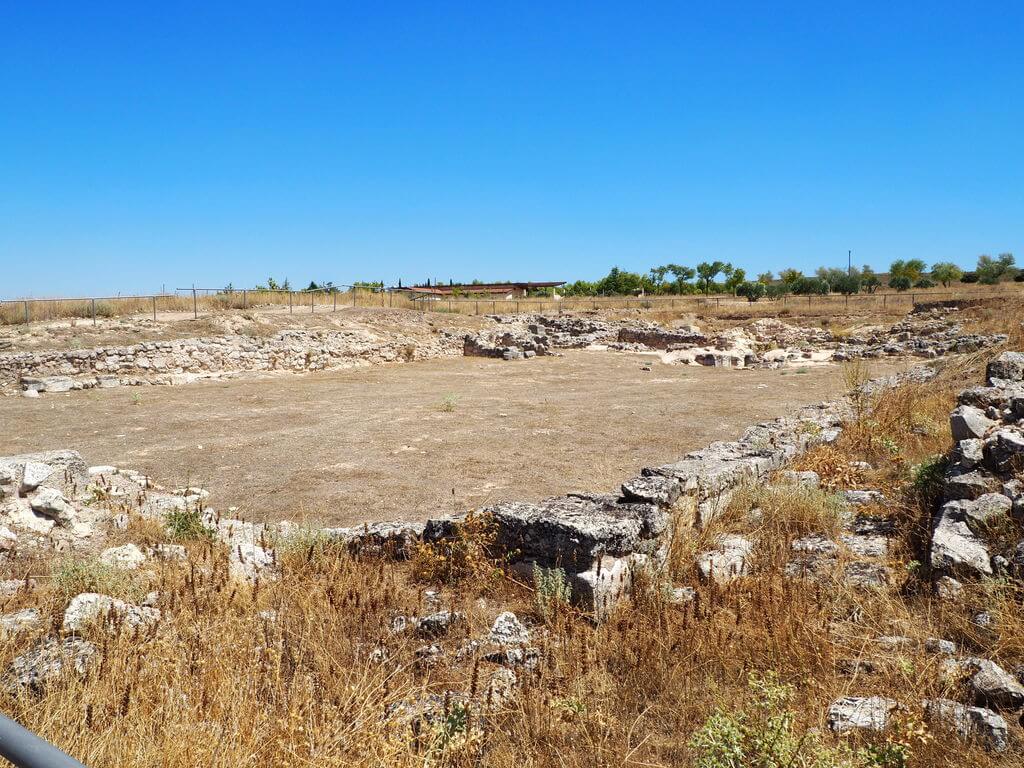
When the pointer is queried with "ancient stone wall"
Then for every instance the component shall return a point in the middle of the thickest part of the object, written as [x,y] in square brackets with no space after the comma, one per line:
[177,361]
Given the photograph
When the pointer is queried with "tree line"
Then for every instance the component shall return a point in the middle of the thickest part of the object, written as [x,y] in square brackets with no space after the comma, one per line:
[722,277]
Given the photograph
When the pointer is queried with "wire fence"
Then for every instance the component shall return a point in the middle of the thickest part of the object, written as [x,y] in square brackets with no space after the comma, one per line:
[196,302]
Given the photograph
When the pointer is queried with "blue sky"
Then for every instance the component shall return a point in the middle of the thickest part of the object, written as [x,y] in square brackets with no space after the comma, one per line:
[146,145]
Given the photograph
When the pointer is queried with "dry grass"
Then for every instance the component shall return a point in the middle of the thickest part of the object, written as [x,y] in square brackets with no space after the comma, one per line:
[882,305]
[307,669]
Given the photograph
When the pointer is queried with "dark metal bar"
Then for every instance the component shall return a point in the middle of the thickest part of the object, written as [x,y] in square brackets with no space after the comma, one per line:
[26,750]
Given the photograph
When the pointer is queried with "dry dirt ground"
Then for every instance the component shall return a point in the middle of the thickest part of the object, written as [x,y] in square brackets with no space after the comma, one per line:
[416,439]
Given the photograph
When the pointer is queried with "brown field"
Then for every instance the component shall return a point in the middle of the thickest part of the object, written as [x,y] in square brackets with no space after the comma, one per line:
[412,440]
[885,301]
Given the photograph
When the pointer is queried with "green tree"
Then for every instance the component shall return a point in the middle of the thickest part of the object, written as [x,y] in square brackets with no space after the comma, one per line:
[900,283]
[658,277]
[830,275]
[847,284]
[790,276]
[946,272]
[618,282]
[736,278]
[708,271]
[912,269]
[868,279]
[682,276]
[810,286]
[990,271]
[752,291]
[579,288]
[766,277]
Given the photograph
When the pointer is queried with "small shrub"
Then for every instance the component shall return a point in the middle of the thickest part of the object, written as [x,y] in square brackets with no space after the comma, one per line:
[927,478]
[448,403]
[187,525]
[833,467]
[762,734]
[461,557]
[551,591]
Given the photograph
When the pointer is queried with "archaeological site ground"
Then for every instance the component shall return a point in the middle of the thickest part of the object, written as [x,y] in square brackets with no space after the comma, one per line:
[597,537]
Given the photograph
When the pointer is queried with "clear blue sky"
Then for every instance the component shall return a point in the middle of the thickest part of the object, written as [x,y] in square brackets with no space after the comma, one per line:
[151,144]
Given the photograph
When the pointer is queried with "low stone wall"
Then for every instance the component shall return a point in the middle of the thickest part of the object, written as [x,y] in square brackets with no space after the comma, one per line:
[598,540]
[169,362]
[983,487]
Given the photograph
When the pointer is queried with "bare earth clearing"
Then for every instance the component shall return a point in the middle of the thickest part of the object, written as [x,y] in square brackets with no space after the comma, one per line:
[413,440]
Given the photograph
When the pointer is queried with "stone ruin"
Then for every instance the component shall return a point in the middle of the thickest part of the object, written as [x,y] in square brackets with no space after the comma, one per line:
[984,481]
[764,343]
[52,500]
[184,360]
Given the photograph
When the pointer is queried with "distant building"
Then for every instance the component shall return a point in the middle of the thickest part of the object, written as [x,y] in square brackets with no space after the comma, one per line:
[503,290]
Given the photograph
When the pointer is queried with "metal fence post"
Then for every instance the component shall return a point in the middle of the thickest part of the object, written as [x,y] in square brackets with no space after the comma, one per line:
[94,311]
[290,310]
[245,297]
[195,304]
[354,291]
[335,293]
[311,310]
[154,309]
[26,312]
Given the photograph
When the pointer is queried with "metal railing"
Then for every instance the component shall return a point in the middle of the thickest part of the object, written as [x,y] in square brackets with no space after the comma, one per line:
[24,749]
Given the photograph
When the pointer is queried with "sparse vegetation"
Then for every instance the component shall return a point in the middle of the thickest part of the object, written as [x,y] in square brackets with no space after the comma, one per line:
[551,591]
[463,558]
[187,524]
[73,575]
